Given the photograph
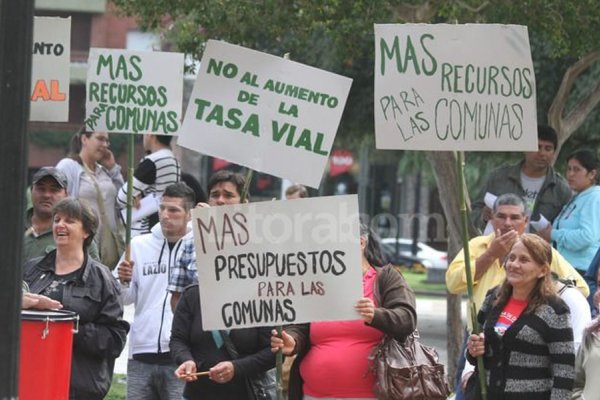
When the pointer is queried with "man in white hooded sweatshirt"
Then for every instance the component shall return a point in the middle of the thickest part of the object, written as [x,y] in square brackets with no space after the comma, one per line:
[144,282]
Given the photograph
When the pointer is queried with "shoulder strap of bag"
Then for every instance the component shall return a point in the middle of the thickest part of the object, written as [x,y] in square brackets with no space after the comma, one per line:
[229,346]
[98,195]
[379,299]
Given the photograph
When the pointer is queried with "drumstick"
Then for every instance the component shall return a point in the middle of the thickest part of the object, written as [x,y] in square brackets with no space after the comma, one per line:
[194,374]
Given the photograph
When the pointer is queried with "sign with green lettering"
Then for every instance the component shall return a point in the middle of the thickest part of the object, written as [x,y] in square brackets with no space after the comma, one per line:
[264,112]
[134,91]
[454,87]
[278,262]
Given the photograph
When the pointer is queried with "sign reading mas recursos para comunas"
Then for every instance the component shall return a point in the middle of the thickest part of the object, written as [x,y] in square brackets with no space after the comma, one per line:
[454,87]
[264,112]
[277,263]
[134,91]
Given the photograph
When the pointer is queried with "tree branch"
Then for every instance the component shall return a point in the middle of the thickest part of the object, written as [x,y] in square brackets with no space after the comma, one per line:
[565,126]
[472,9]
[414,13]
[580,112]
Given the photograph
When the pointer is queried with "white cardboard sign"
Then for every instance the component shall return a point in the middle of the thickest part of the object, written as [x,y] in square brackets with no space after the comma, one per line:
[50,69]
[454,87]
[280,262]
[264,112]
[134,91]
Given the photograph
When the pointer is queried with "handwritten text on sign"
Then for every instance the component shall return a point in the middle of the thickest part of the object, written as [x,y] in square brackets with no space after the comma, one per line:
[264,112]
[454,87]
[134,91]
[279,262]
[50,69]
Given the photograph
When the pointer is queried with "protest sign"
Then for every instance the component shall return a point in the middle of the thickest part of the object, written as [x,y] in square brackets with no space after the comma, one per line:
[279,262]
[454,87]
[134,91]
[50,69]
[264,112]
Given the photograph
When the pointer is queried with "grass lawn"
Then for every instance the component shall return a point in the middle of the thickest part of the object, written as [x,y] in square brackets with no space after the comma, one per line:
[118,389]
[417,281]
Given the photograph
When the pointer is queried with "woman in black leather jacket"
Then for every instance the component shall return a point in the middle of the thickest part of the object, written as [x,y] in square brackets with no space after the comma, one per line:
[84,286]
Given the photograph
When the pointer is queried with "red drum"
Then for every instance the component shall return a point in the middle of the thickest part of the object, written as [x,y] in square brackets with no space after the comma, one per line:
[45,356]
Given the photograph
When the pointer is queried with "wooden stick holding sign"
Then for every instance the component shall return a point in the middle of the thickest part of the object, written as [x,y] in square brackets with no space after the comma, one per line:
[279,355]
[279,328]
[465,238]
[130,156]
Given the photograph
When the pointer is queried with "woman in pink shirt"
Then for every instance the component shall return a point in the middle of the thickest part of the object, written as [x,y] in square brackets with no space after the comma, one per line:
[333,357]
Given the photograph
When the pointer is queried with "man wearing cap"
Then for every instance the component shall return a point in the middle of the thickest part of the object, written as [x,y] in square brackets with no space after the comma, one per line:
[48,188]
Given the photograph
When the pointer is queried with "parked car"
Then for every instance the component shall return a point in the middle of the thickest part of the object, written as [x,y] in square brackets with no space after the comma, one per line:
[404,260]
[436,259]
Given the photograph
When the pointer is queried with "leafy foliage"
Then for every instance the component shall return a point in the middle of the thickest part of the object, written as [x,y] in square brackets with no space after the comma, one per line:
[338,36]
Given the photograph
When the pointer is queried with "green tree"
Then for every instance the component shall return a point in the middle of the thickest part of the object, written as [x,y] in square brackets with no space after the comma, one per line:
[338,36]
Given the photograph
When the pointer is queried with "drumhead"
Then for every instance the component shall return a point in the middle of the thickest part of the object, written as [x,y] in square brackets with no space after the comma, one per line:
[51,315]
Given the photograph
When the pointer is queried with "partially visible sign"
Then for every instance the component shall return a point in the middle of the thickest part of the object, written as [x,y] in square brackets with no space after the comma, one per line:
[264,112]
[454,87]
[278,262]
[134,91]
[50,69]
[340,162]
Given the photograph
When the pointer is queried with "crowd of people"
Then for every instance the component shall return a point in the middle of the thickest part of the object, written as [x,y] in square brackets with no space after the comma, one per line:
[530,284]
[535,331]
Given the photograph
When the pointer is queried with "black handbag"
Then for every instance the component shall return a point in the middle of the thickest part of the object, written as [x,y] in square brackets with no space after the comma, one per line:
[408,371]
[262,386]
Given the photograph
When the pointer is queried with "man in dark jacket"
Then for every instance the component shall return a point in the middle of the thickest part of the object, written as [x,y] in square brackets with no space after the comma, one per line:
[543,189]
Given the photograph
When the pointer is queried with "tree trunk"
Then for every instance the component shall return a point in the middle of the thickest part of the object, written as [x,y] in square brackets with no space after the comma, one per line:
[446,176]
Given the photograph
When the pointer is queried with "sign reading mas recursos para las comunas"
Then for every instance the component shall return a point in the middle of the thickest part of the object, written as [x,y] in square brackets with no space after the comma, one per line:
[454,87]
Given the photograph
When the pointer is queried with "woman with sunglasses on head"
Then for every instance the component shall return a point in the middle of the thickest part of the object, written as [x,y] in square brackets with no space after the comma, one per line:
[93,175]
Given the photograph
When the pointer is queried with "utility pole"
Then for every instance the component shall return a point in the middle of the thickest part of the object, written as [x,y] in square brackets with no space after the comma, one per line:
[16,35]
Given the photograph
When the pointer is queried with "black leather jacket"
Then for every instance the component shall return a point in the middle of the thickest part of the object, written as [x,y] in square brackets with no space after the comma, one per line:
[95,297]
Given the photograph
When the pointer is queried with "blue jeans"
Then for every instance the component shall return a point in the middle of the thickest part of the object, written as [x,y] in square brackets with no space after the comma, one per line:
[459,395]
[152,382]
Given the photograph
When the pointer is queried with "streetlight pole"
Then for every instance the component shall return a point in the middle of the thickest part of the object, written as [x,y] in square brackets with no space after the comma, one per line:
[16,35]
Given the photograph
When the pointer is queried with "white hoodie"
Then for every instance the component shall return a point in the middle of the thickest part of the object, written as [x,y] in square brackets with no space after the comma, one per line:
[151,327]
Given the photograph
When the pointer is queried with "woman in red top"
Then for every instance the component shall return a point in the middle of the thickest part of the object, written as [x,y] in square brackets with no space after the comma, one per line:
[332,357]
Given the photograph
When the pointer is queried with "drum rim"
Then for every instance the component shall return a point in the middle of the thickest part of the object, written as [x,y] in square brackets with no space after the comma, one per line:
[50,315]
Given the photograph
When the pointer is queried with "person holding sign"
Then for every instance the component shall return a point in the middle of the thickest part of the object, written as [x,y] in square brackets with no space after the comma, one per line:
[82,285]
[144,280]
[534,179]
[489,252]
[205,362]
[332,356]
[157,170]
[224,187]
[93,175]
[527,340]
